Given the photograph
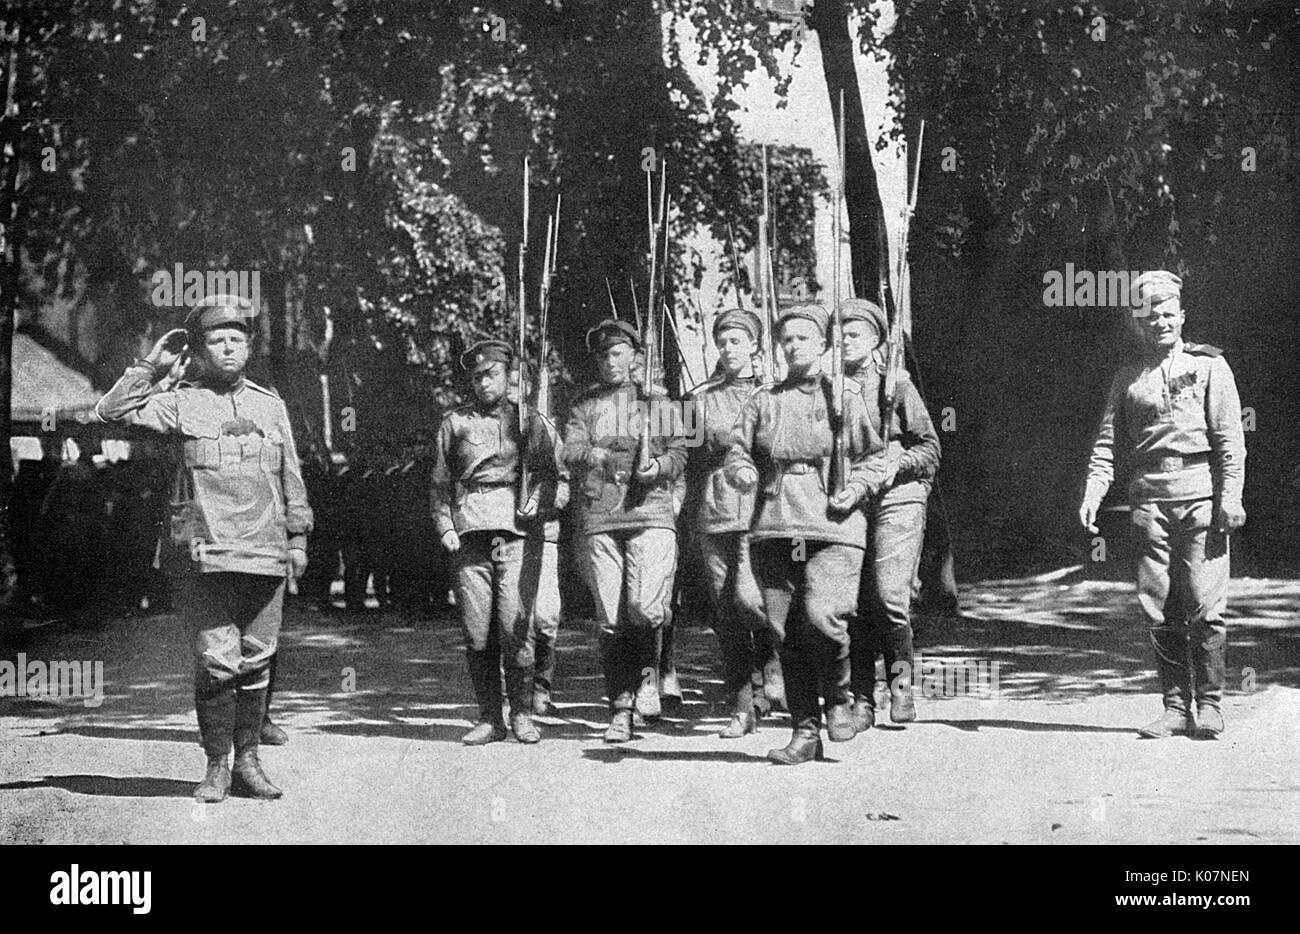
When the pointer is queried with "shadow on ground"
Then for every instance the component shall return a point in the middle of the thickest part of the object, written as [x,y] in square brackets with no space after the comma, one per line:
[1058,637]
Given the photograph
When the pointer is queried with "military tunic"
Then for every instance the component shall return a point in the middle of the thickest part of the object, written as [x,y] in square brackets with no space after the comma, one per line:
[802,550]
[627,548]
[895,534]
[507,570]
[238,505]
[1179,419]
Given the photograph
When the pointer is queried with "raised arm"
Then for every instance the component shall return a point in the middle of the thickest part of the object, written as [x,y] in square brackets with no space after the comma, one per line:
[135,398]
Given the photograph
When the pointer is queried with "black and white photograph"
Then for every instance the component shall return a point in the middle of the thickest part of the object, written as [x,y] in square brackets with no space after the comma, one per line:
[651,422]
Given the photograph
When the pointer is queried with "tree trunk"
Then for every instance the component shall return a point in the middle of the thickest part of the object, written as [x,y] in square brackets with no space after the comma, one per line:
[10,230]
[861,192]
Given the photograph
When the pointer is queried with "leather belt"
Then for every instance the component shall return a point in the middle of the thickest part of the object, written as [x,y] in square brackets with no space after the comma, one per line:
[799,467]
[1176,462]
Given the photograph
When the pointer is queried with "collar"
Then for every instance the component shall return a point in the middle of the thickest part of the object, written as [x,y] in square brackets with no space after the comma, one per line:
[805,384]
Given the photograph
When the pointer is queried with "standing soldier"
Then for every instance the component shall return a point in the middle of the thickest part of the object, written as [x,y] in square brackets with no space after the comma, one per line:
[241,514]
[627,547]
[895,521]
[506,563]
[807,542]
[722,516]
[1178,416]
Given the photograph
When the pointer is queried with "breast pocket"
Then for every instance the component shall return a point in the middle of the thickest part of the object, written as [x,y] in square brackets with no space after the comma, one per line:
[201,444]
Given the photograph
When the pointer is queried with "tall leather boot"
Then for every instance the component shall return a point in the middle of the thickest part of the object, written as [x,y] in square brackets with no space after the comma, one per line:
[248,779]
[519,688]
[768,658]
[486,679]
[643,646]
[670,689]
[836,674]
[1209,672]
[543,674]
[743,720]
[900,661]
[216,712]
[272,735]
[620,683]
[805,713]
[1171,648]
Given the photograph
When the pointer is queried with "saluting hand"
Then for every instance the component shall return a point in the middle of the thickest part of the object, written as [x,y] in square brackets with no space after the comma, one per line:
[170,349]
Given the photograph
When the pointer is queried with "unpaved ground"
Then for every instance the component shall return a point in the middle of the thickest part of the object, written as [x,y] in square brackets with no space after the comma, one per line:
[375,706]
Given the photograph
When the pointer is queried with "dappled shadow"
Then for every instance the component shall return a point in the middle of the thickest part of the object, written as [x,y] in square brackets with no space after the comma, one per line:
[109,786]
[1058,637]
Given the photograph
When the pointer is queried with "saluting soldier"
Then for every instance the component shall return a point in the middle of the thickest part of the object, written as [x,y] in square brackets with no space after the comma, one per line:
[505,551]
[240,513]
[625,519]
[721,520]
[807,542]
[895,520]
[1178,417]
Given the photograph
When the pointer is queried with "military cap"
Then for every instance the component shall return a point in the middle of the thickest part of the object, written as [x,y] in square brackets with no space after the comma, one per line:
[738,319]
[860,309]
[610,332]
[220,310]
[817,314]
[1155,286]
[485,353]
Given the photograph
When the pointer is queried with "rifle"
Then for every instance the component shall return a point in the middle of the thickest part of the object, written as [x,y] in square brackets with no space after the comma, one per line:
[649,341]
[767,298]
[521,398]
[901,312]
[841,446]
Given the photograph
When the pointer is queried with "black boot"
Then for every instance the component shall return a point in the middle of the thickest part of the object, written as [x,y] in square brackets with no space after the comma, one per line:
[835,691]
[1209,672]
[805,745]
[249,781]
[544,673]
[1170,644]
[519,688]
[486,679]
[216,713]
[272,735]
[743,721]
[899,660]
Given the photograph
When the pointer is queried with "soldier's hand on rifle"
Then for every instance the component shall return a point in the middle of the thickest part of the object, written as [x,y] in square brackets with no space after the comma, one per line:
[297,563]
[745,479]
[451,541]
[528,510]
[169,351]
[649,471]
[844,501]
[1229,518]
[1088,516]
[597,456]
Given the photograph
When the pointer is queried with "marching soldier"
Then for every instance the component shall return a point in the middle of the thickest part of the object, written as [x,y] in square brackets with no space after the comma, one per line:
[241,516]
[895,521]
[506,562]
[625,517]
[807,542]
[1178,416]
[722,516]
